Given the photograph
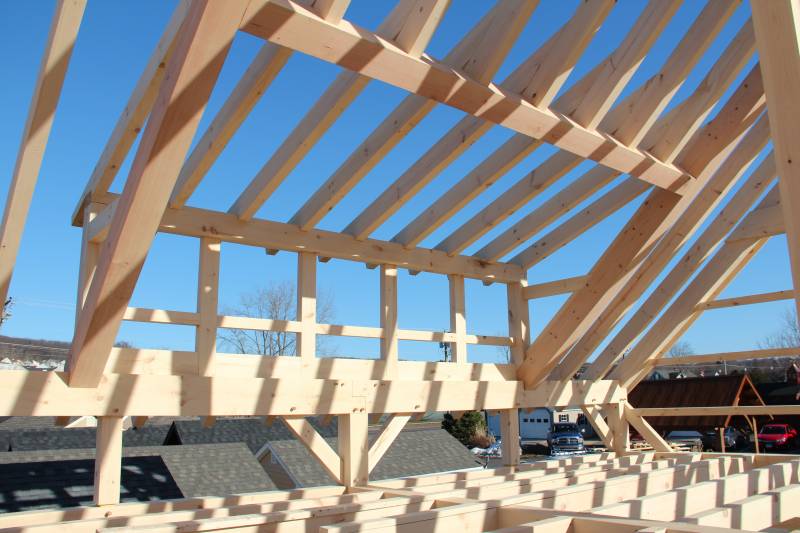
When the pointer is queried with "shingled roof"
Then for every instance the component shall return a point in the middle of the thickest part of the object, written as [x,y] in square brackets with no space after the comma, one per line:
[695,392]
[64,478]
[413,452]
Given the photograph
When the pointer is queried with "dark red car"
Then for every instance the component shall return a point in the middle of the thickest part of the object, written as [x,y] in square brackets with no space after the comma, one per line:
[777,436]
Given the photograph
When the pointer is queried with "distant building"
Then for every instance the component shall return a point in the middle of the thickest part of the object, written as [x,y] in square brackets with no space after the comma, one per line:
[534,425]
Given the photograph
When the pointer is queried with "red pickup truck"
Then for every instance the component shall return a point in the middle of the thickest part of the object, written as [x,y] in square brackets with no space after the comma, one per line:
[777,436]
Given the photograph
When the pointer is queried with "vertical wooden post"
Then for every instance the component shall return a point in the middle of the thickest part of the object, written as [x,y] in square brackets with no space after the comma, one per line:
[354,449]
[108,460]
[518,321]
[754,424]
[207,300]
[509,430]
[458,318]
[307,305]
[619,426]
[778,39]
[389,344]
[89,254]
[722,439]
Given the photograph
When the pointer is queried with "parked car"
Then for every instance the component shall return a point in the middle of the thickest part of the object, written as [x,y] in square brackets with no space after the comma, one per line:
[565,437]
[777,436]
[692,439]
[734,439]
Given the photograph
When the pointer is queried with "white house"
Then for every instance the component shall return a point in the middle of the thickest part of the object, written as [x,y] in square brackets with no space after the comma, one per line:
[534,425]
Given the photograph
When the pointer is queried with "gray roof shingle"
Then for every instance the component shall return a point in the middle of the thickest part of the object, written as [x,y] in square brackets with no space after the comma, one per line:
[414,452]
[64,478]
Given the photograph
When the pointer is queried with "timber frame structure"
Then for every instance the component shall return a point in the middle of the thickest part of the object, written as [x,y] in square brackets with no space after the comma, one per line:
[684,161]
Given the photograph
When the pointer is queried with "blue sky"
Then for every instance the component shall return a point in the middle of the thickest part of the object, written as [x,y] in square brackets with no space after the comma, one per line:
[114,43]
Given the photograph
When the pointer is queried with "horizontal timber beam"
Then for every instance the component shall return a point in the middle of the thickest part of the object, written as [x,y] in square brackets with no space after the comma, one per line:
[32,393]
[552,288]
[161,316]
[726,356]
[291,25]
[195,222]
[747,410]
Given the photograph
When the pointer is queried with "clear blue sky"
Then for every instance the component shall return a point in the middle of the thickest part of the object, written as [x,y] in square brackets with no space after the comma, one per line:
[114,43]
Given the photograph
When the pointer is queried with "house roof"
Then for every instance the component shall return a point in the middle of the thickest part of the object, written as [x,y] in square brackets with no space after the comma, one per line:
[413,452]
[250,430]
[57,438]
[695,392]
[64,478]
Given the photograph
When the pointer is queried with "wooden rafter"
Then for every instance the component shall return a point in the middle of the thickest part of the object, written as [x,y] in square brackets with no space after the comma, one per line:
[778,37]
[610,275]
[58,50]
[506,19]
[435,80]
[162,149]
[410,25]
[736,207]
[538,79]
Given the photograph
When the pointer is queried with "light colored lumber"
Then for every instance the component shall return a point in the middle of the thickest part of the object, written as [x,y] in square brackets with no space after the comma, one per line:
[689,263]
[744,410]
[234,395]
[554,168]
[776,27]
[537,79]
[477,180]
[548,212]
[135,115]
[196,222]
[410,26]
[618,425]
[477,55]
[632,118]
[154,170]
[307,305]
[207,301]
[552,288]
[332,10]
[589,101]
[388,303]
[161,316]
[646,431]
[736,301]
[353,449]
[666,237]
[316,444]
[458,319]
[667,138]
[389,432]
[592,414]
[600,209]
[706,285]
[88,261]
[760,223]
[108,460]
[519,327]
[766,353]
[509,429]
[261,72]
[290,24]
[52,70]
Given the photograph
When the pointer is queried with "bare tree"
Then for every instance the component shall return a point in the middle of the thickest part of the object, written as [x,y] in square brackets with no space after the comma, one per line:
[276,302]
[680,349]
[5,313]
[788,336]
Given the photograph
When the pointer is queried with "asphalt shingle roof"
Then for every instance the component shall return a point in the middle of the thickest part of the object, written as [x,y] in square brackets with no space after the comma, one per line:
[414,452]
[81,438]
[64,478]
